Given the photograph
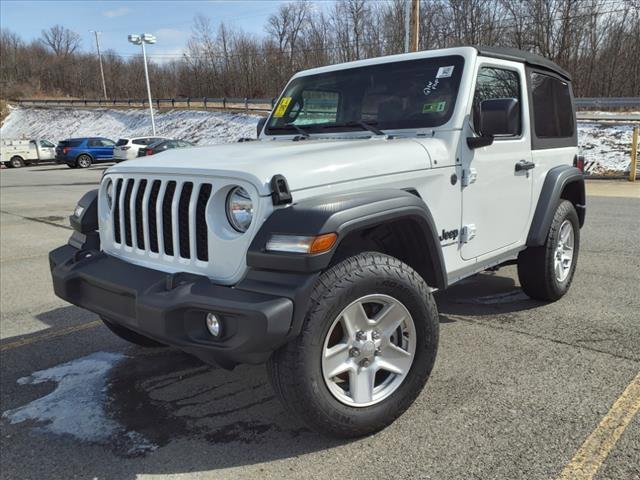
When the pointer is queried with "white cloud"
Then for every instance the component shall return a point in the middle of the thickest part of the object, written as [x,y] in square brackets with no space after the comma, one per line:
[170,34]
[116,12]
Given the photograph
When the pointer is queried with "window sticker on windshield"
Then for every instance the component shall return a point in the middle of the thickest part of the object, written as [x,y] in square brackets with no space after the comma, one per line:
[431,87]
[282,107]
[445,72]
[434,107]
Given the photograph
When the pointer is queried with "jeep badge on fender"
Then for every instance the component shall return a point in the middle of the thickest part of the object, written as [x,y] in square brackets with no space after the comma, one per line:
[316,248]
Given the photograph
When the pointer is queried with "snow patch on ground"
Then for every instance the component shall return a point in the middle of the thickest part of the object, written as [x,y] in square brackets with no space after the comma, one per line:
[76,406]
[200,127]
[608,145]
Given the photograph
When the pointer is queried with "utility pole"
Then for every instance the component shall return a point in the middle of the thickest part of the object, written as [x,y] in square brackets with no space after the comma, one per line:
[415,24]
[407,23]
[104,85]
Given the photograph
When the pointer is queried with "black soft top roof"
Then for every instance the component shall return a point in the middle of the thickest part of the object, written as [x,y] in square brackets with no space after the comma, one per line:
[525,57]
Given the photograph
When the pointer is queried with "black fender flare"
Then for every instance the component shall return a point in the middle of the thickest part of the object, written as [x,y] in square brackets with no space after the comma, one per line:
[555,182]
[343,213]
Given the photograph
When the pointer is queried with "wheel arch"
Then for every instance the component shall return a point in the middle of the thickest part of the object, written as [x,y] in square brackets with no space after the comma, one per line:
[561,183]
[89,154]
[394,222]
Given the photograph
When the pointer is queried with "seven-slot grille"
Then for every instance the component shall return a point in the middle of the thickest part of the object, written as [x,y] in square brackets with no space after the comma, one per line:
[162,216]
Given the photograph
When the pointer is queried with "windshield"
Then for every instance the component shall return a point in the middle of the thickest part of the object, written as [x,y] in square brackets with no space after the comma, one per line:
[410,94]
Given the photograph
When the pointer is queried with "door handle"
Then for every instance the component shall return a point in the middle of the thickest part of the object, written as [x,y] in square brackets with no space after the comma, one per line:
[523,165]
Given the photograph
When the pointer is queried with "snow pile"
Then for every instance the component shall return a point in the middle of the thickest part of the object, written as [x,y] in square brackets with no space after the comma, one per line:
[76,406]
[203,128]
[607,145]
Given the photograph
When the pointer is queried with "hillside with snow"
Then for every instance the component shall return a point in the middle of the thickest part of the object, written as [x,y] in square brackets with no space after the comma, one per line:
[203,128]
[605,145]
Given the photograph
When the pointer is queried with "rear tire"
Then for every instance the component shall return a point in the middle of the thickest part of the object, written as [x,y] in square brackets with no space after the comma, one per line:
[131,336]
[16,162]
[304,373]
[546,272]
[83,161]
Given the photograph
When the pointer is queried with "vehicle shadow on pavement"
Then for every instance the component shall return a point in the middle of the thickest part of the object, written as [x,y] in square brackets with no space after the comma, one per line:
[487,293]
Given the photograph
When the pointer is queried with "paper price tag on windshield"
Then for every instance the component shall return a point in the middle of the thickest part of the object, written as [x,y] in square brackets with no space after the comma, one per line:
[445,72]
[282,107]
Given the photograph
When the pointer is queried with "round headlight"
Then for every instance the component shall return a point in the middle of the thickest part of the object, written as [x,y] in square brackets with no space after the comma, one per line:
[109,193]
[239,209]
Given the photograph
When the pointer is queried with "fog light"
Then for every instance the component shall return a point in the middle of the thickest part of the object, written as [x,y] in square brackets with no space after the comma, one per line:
[213,324]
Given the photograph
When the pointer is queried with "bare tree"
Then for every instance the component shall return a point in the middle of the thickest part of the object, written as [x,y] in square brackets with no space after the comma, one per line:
[62,41]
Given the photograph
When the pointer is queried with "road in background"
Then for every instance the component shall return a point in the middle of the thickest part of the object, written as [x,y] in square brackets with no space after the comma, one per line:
[517,388]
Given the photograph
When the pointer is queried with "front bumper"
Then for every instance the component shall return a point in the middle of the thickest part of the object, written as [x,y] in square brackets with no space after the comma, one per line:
[171,308]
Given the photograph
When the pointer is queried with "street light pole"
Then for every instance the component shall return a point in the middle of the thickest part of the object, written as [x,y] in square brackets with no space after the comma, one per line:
[104,85]
[141,40]
[146,74]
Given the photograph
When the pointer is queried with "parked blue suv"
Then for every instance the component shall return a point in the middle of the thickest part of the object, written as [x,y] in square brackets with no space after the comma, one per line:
[82,152]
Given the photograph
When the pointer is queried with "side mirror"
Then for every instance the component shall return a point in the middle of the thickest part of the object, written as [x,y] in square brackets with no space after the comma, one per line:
[260,125]
[498,117]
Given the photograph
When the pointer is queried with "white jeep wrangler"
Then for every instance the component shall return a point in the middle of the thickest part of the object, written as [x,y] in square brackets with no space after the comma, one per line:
[316,248]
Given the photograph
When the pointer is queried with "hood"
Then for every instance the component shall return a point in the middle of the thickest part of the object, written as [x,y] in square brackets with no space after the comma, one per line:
[304,163]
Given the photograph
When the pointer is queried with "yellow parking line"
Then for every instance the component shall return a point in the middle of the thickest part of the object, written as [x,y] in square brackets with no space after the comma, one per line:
[50,335]
[597,446]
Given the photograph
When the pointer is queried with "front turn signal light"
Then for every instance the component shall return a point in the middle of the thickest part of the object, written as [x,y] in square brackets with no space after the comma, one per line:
[301,243]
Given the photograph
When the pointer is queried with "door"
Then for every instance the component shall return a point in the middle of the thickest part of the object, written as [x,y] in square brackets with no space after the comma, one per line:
[47,150]
[102,148]
[497,197]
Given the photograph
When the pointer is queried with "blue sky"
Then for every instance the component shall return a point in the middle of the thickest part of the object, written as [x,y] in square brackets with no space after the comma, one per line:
[170,21]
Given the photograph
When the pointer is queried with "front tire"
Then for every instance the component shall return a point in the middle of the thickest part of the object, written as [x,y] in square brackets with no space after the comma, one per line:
[16,162]
[546,272]
[367,347]
[131,336]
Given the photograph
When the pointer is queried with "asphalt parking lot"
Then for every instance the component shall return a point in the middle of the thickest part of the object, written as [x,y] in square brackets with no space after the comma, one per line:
[521,389]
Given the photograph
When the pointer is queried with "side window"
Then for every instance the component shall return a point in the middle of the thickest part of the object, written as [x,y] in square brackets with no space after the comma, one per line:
[46,143]
[316,107]
[552,110]
[93,142]
[105,142]
[141,141]
[495,83]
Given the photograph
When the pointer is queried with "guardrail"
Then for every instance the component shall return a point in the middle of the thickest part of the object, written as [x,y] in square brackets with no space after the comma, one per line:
[224,103]
[259,104]
[608,102]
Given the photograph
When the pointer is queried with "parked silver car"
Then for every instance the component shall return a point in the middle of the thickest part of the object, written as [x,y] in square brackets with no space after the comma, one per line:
[128,148]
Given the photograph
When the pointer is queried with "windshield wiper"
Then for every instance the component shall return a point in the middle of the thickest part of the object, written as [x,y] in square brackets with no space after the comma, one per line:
[298,129]
[359,123]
